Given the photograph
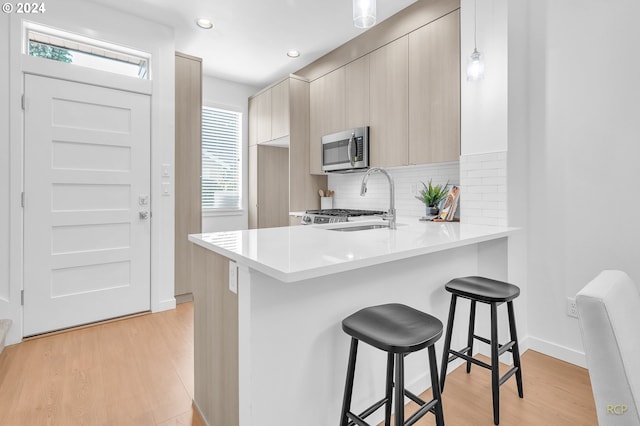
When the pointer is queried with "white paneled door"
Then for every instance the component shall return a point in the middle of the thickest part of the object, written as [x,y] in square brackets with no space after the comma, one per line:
[86,205]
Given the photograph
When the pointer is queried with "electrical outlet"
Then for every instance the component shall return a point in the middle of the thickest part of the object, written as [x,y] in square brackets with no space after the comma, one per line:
[572,308]
[233,277]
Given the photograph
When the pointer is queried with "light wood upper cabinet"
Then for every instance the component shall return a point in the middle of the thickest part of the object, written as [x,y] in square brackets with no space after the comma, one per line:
[280,110]
[188,164]
[253,186]
[434,91]
[357,92]
[269,114]
[328,113]
[253,118]
[389,94]
[263,116]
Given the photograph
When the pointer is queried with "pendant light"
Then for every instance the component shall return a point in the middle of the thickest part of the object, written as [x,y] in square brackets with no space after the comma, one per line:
[364,13]
[475,64]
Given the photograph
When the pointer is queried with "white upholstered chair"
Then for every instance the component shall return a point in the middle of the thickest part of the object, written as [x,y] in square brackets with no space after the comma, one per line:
[609,314]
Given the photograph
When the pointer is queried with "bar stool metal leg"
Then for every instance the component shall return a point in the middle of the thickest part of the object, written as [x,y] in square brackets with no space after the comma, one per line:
[348,387]
[399,394]
[472,330]
[447,341]
[389,390]
[495,367]
[435,386]
[516,350]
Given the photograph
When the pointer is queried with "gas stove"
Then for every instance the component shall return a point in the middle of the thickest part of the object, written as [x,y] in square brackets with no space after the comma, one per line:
[335,215]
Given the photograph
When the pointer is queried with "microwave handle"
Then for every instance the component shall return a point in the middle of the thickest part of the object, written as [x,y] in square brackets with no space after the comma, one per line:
[351,139]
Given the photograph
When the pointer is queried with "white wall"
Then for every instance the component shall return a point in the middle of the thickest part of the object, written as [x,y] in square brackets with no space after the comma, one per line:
[94,21]
[583,154]
[4,160]
[233,96]
[483,108]
[484,114]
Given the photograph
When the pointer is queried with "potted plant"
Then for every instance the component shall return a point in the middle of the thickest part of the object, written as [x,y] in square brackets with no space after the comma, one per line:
[431,195]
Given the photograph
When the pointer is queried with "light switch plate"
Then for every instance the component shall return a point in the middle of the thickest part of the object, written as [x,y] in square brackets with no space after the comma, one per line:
[233,277]
[166,170]
[166,189]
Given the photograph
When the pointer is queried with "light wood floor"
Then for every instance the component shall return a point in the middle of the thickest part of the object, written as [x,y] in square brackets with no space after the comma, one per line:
[556,393]
[139,371]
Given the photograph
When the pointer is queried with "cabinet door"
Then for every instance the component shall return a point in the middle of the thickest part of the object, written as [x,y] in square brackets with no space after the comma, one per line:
[280,110]
[253,186]
[357,92]
[303,187]
[434,91]
[327,106]
[263,116]
[253,121]
[188,165]
[273,186]
[389,95]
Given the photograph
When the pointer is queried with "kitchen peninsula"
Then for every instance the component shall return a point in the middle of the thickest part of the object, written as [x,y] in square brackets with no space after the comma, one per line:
[274,352]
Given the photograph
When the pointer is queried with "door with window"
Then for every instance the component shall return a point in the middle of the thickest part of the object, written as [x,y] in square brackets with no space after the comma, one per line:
[86,204]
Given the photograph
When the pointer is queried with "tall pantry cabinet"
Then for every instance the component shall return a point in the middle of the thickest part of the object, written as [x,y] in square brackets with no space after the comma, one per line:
[188,164]
[279,178]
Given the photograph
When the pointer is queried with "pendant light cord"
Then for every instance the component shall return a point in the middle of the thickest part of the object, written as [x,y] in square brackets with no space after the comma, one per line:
[475,24]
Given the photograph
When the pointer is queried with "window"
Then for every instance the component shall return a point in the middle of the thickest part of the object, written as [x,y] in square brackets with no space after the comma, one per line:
[221,141]
[60,46]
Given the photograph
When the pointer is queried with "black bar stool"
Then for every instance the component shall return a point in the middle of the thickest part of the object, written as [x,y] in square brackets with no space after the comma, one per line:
[398,330]
[494,293]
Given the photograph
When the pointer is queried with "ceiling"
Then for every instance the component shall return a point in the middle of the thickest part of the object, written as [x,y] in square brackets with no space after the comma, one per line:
[251,37]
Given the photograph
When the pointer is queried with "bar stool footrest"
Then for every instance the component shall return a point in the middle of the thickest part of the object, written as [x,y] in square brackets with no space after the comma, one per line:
[412,396]
[452,357]
[482,339]
[355,418]
[421,412]
[470,359]
[506,348]
[507,375]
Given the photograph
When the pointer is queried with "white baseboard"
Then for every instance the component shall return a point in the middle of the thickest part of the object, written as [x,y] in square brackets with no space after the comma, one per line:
[554,350]
[166,305]
[195,405]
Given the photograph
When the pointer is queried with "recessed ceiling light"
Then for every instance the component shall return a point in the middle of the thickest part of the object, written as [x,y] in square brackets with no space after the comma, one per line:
[204,23]
[293,53]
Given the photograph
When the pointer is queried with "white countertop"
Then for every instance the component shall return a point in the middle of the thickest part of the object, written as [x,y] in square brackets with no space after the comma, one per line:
[296,253]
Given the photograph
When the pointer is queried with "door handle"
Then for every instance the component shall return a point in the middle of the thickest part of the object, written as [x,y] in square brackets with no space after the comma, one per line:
[144,215]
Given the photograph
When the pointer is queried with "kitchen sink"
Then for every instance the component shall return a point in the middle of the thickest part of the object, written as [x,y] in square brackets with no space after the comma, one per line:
[359,227]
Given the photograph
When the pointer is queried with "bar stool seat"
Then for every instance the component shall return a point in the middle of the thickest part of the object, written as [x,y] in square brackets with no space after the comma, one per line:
[398,330]
[494,293]
[483,289]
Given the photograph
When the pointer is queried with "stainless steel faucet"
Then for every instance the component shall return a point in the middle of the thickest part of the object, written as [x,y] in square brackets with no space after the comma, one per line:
[391,214]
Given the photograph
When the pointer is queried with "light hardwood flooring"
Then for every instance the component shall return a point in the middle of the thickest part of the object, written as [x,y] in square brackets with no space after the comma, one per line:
[139,371]
[556,393]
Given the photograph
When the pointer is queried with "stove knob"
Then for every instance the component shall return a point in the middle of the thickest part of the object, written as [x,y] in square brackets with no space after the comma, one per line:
[306,220]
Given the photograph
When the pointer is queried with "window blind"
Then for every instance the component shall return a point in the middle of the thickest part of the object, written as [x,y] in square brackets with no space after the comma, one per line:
[221,136]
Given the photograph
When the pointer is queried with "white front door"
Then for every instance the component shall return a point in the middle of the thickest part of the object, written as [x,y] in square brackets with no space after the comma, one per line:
[87,206]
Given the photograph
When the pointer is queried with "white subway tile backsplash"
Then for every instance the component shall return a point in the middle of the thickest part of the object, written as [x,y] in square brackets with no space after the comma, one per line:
[481,177]
[483,182]
[407,184]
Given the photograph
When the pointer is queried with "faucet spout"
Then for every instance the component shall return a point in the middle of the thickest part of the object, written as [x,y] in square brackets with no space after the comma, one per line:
[391,214]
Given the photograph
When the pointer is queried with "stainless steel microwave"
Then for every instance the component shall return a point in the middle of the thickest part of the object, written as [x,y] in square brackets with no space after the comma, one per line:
[346,151]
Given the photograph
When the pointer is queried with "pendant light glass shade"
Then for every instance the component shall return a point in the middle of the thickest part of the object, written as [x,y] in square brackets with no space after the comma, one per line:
[475,66]
[364,13]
